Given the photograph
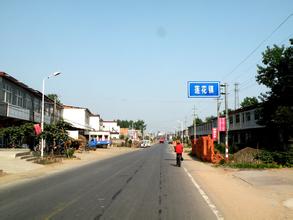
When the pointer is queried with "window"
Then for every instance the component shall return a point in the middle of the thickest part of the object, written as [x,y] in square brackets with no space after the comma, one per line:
[237,118]
[37,105]
[28,102]
[7,94]
[19,98]
[231,119]
[256,115]
[247,116]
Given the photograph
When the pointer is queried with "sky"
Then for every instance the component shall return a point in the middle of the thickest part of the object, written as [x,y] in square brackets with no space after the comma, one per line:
[132,60]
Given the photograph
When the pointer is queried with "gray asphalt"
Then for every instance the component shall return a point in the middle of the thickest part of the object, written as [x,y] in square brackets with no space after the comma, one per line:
[143,184]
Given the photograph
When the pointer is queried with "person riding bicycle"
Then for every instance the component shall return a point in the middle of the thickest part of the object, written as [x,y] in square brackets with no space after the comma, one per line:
[179,151]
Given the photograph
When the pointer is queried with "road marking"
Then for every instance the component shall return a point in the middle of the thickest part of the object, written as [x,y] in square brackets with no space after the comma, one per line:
[206,198]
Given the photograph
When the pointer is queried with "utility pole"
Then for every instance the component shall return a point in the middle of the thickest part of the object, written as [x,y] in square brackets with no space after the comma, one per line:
[54,110]
[225,92]
[194,125]
[236,98]
[218,118]
[227,122]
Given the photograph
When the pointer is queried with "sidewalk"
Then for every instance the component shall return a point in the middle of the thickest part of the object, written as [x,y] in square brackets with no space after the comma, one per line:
[245,194]
[10,164]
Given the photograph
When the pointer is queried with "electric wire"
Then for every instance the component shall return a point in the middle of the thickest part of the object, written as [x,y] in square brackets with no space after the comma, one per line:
[259,45]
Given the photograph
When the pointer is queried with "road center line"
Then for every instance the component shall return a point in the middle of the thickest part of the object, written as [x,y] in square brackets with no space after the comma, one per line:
[204,195]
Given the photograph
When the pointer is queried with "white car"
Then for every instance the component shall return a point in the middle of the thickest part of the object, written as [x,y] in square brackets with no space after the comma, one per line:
[145,143]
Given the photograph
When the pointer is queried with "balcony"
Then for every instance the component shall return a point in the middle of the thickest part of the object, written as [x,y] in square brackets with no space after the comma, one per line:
[14,111]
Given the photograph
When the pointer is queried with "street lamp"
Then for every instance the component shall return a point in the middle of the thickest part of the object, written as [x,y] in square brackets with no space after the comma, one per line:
[43,109]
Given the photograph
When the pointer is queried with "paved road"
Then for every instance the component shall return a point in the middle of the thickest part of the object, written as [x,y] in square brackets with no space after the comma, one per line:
[143,184]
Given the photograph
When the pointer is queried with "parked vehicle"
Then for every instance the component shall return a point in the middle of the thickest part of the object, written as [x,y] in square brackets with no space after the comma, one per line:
[145,143]
[99,139]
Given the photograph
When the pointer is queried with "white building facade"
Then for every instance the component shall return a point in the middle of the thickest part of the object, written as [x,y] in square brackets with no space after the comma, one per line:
[112,127]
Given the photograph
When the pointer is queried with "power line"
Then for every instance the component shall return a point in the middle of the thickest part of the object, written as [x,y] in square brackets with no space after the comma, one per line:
[259,45]
[255,64]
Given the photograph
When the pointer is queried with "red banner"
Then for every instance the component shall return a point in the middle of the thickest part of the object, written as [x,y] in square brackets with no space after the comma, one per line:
[38,129]
[222,124]
[215,134]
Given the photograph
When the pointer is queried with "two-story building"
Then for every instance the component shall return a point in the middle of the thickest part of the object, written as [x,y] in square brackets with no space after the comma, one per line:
[85,123]
[20,104]
[244,129]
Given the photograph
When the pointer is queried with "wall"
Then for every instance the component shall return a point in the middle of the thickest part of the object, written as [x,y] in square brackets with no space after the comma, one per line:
[95,122]
[76,117]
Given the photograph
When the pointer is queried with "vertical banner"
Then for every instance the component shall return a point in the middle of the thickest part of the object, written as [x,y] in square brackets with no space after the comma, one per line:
[38,129]
[222,124]
[215,134]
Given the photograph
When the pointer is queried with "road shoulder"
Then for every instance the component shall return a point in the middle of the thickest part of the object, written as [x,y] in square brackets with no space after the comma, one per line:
[82,158]
[239,199]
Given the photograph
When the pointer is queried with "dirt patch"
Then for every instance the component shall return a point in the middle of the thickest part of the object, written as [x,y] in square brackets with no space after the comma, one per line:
[246,155]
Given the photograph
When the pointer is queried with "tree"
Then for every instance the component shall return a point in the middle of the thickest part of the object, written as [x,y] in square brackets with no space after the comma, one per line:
[56,134]
[248,101]
[223,113]
[123,123]
[198,121]
[53,97]
[137,125]
[16,134]
[277,104]
[210,118]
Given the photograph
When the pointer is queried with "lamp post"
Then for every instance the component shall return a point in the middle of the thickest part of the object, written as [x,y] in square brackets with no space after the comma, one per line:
[43,110]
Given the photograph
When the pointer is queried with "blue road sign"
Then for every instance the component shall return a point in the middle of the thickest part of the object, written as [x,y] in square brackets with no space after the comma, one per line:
[203,89]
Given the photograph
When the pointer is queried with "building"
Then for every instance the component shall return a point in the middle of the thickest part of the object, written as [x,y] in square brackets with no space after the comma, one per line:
[81,120]
[20,104]
[112,127]
[124,132]
[85,123]
[243,128]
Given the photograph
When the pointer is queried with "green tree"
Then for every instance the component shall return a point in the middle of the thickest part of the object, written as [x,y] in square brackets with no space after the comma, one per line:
[137,125]
[123,123]
[17,134]
[223,113]
[210,118]
[53,97]
[248,101]
[277,104]
[198,121]
[56,134]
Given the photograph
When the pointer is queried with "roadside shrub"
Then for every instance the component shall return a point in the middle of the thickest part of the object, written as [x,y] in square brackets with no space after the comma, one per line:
[220,147]
[69,152]
[74,144]
[279,157]
[265,156]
